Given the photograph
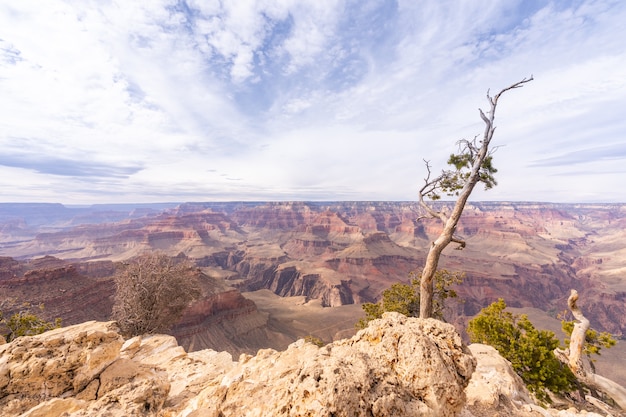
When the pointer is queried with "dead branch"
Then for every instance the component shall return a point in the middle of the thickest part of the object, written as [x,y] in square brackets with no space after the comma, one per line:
[430,186]
[460,241]
[573,356]
[577,339]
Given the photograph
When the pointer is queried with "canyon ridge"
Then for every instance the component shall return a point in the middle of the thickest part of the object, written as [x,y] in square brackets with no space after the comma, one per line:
[276,272]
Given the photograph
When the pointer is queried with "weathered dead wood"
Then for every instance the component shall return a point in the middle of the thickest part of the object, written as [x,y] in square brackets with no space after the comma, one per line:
[572,356]
[577,339]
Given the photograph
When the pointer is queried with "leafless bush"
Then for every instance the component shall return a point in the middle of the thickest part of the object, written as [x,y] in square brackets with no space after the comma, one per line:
[152,292]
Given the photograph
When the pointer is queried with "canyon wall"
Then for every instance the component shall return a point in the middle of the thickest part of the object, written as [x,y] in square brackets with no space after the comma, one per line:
[530,254]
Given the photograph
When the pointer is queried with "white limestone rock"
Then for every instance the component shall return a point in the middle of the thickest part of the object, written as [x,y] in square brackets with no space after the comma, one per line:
[397,366]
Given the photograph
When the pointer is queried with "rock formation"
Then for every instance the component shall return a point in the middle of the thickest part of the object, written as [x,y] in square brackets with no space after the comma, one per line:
[397,366]
[226,321]
[530,254]
[496,390]
[83,291]
[62,287]
[336,252]
[494,385]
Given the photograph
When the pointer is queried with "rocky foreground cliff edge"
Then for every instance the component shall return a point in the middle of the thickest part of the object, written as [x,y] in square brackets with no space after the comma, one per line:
[398,366]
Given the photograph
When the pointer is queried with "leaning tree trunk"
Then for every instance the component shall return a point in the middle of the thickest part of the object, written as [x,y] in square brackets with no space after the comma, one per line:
[451,221]
[573,357]
[477,154]
[434,253]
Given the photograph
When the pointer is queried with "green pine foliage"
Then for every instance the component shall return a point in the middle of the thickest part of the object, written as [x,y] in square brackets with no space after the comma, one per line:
[26,323]
[453,180]
[405,298]
[530,351]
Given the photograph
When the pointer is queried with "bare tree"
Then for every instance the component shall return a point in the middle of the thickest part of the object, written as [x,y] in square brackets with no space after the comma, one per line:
[472,164]
[152,292]
[572,356]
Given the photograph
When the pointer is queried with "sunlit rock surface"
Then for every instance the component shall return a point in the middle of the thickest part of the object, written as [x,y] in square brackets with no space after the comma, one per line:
[397,366]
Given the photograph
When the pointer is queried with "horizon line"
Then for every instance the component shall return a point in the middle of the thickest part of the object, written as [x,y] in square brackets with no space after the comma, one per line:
[173,203]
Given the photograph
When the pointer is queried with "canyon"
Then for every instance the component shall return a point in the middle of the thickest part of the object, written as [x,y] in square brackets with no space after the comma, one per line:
[276,271]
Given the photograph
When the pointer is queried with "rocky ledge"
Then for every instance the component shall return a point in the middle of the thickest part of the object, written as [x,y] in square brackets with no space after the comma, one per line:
[396,367]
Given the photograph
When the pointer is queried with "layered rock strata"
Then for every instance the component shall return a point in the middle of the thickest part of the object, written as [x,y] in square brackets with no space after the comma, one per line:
[530,254]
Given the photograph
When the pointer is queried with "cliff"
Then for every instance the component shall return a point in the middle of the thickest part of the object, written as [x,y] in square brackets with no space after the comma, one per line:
[82,291]
[71,291]
[530,254]
[228,321]
[396,367]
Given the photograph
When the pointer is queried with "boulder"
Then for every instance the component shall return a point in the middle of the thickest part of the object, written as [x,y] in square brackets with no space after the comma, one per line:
[397,366]
[61,362]
[496,390]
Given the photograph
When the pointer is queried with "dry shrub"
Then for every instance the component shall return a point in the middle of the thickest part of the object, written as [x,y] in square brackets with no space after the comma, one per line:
[152,291]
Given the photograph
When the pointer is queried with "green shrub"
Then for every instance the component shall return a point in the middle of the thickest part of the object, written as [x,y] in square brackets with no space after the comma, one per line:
[26,323]
[405,298]
[314,340]
[530,351]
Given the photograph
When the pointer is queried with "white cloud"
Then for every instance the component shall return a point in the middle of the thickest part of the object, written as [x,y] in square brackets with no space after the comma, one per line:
[318,99]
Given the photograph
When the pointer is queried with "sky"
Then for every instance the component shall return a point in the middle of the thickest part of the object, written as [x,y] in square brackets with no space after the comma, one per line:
[110,101]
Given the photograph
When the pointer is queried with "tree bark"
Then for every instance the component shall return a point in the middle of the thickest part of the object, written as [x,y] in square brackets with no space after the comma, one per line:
[577,339]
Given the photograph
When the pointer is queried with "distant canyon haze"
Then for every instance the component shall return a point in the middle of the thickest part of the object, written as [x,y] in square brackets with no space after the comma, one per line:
[277,271]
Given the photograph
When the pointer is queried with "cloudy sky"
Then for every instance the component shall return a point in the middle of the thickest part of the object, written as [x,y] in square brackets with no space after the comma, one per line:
[201,100]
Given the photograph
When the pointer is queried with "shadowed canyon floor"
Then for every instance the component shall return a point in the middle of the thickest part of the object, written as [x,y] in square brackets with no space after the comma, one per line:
[319,255]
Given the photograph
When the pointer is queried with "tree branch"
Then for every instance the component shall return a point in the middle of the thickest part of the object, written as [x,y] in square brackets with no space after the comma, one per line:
[459,240]
[518,84]
[430,186]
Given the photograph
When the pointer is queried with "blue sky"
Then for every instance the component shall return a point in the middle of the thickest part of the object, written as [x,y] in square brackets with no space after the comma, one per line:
[150,101]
